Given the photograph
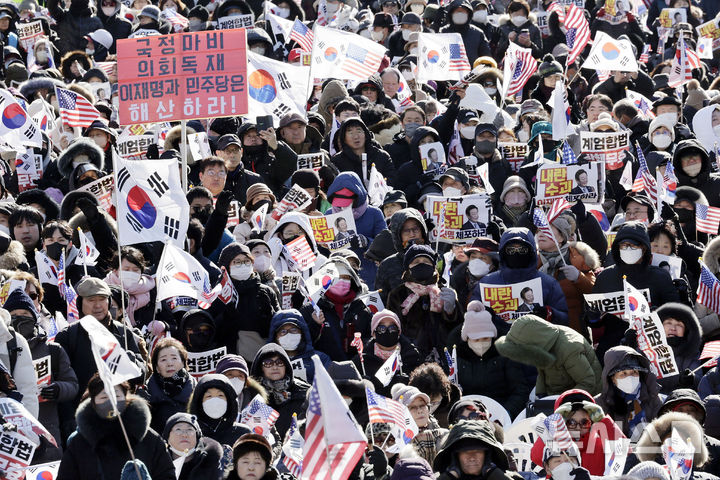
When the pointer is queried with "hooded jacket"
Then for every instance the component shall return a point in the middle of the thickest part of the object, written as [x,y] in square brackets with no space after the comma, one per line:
[507,27]
[73,24]
[553,296]
[649,447]
[347,161]
[279,257]
[708,183]
[389,273]
[80,146]
[687,350]
[410,176]
[118,26]
[333,92]
[564,358]
[476,44]
[224,430]
[302,364]
[274,166]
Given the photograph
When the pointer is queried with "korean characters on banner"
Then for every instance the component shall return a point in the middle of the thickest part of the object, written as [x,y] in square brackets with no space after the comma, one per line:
[233,214]
[710,30]
[514,153]
[29,168]
[16,452]
[610,302]
[605,147]
[432,157]
[653,343]
[335,230]
[29,33]
[515,300]
[295,199]
[466,217]
[135,147]
[311,160]
[572,182]
[290,283]
[235,21]
[43,369]
[103,190]
[201,363]
[183,76]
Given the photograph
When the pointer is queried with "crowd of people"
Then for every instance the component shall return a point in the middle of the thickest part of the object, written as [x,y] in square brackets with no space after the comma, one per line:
[478,375]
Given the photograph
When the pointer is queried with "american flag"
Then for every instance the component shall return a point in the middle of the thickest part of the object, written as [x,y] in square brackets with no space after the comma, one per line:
[568,156]
[301,253]
[385,410]
[645,55]
[178,22]
[302,35]
[61,274]
[558,437]
[711,350]
[360,61]
[644,180]
[106,67]
[442,229]
[707,219]
[258,408]
[686,60]
[558,206]
[358,343]
[541,221]
[452,365]
[458,58]
[641,102]
[557,8]
[578,32]
[708,289]
[521,63]
[75,110]
[292,449]
[71,298]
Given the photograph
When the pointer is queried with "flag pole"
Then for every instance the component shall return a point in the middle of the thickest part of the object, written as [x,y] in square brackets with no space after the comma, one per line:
[84,253]
[183,154]
[127,440]
[122,289]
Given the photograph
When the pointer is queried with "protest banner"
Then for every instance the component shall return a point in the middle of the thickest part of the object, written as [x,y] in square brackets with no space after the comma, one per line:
[16,452]
[610,302]
[465,219]
[290,284]
[183,76]
[201,363]
[311,160]
[29,168]
[334,231]
[14,412]
[43,370]
[572,182]
[103,190]
[652,342]
[514,153]
[233,214]
[9,287]
[673,265]
[605,147]
[514,300]
[102,91]
[432,157]
[199,145]
[29,33]
[670,17]
[134,147]
[616,452]
[710,30]
[295,199]
[235,21]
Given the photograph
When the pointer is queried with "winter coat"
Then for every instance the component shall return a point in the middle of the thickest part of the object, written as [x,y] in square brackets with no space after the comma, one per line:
[24,371]
[274,166]
[302,364]
[80,146]
[279,256]
[507,27]
[347,161]
[564,358]
[706,181]
[410,176]
[98,449]
[474,40]
[611,399]
[333,92]
[224,430]
[399,151]
[687,350]
[628,25]
[204,464]
[552,293]
[73,25]
[643,85]
[162,405]
[410,359]
[709,320]
[239,180]
[118,26]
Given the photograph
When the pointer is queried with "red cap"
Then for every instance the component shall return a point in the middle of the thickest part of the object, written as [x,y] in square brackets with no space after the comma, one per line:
[294,55]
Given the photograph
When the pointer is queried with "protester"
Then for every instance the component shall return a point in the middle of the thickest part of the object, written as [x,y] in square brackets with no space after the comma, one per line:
[201,454]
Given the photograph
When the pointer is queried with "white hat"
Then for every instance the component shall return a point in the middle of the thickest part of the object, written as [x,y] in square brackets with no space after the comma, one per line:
[478,323]
[103,37]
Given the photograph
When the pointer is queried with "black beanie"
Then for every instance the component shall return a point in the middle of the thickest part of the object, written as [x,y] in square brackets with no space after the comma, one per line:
[306,178]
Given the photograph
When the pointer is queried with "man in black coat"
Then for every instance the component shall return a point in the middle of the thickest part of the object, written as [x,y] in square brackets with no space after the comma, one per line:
[238,178]
[109,14]
[476,44]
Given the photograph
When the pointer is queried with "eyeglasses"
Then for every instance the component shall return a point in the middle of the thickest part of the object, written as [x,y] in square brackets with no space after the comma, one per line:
[637,211]
[244,263]
[285,331]
[185,432]
[380,329]
[516,249]
[198,208]
[585,423]
[474,416]
[216,173]
[627,246]
[411,230]
[278,362]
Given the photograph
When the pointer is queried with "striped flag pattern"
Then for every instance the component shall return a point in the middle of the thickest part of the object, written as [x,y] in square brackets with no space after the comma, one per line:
[292,449]
[520,65]
[557,432]
[384,410]
[71,298]
[178,22]
[578,32]
[61,274]
[711,350]
[458,58]
[441,229]
[568,156]
[707,219]
[261,409]
[301,253]
[644,180]
[708,289]
[358,343]
[541,221]
[302,35]
[670,181]
[558,206]
[685,61]
[645,55]
[75,110]
[452,365]
[361,61]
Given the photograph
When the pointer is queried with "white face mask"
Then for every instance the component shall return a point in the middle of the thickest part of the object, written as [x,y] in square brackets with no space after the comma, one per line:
[181,453]
[417,8]
[518,20]
[661,140]
[515,199]
[376,35]
[479,347]
[406,34]
[4,230]
[130,278]
[290,341]
[468,132]
[215,407]
[414,52]
[672,118]
[460,18]
[41,55]
[451,192]
[629,385]
[562,471]
[480,16]
[282,12]
[523,136]
[258,50]
[238,384]
[241,272]
[108,11]
[490,91]
[478,268]
[693,170]
[262,263]
[407,74]
[630,256]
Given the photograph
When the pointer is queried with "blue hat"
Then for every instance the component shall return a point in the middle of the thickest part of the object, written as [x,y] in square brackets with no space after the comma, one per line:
[540,127]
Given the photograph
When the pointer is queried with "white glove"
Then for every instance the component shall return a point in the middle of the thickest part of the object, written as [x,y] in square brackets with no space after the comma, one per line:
[449,298]
[570,272]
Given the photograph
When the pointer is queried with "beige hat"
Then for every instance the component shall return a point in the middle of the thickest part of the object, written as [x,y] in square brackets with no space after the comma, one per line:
[661,122]
[91,286]
[604,120]
[514,181]
[405,394]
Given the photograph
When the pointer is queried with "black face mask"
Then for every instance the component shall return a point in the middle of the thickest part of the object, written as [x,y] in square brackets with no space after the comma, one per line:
[25,326]
[548,145]
[285,241]
[387,339]
[254,149]
[675,341]
[484,147]
[519,259]
[199,341]
[54,250]
[422,272]
[685,215]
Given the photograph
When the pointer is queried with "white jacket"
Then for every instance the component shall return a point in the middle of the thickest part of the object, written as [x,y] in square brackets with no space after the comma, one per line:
[24,373]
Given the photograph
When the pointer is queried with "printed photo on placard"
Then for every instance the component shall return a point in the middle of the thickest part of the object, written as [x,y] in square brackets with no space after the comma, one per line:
[432,157]
[669,17]
[334,231]
[515,300]
[466,217]
[673,265]
[572,182]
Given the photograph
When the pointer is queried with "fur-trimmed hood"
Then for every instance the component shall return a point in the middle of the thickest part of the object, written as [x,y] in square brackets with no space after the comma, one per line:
[13,257]
[94,429]
[711,257]
[591,257]
[505,18]
[173,137]
[649,447]
[80,146]
[70,201]
[29,88]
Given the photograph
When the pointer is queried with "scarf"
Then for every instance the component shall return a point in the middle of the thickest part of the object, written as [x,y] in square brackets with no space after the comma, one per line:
[636,414]
[339,302]
[277,389]
[380,353]
[513,213]
[139,293]
[552,261]
[172,386]
[436,303]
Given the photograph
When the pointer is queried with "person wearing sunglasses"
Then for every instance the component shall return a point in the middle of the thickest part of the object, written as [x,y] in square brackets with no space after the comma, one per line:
[286,393]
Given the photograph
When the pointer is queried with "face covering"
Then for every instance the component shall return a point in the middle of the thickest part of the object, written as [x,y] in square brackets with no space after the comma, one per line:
[262,263]
[290,341]
[422,272]
[523,136]
[387,339]
[480,16]
[672,341]
[410,129]
[479,347]
[478,268]
[41,56]
[26,328]
[332,8]
[199,341]
[661,140]
[195,25]
[259,51]
[685,215]
[519,260]
[130,278]
[629,385]
[416,8]
[241,272]
[467,132]
[693,170]
[407,74]
[108,11]
[215,407]
[413,51]
[490,91]
[549,145]
[406,34]
[376,35]
[631,257]
[716,130]
[282,12]
[460,18]
[181,453]
[54,250]
[340,288]
[5,230]
[518,20]
[105,409]
[238,384]
[484,147]
[90,51]
[451,192]
[562,472]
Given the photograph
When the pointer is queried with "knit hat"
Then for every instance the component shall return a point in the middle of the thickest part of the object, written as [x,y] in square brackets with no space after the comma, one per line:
[150,11]
[549,66]
[416,251]
[661,122]
[15,74]
[408,394]
[458,174]
[255,190]
[182,417]
[478,323]
[530,106]
[223,125]
[511,182]
[201,13]
[564,226]
[19,300]
[90,286]
[645,470]
[231,251]
[375,429]
[412,468]
[232,362]
[254,242]
[604,120]
[382,314]
[252,442]
[305,178]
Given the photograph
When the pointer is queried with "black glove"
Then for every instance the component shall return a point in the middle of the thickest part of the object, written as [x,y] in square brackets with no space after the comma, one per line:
[540,311]
[89,209]
[223,201]
[429,223]
[579,210]
[630,338]
[668,213]
[379,461]
[687,379]
[358,241]
[580,473]
[50,392]
[493,231]
[153,153]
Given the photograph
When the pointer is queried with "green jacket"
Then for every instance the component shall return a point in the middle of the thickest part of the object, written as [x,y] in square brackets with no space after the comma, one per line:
[563,358]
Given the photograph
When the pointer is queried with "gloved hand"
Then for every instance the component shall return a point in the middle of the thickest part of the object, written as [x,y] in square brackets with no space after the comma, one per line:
[580,473]
[631,338]
[223,201]
[487,470]
[594,410]
[429,223]
[540,311]
[89,209]
[379,461]
[668,213]
[570,272]
[156,327]
[153,153]
[579,210]
[50,392]
[687,379]
[449,298]
[358,241]
[493,231]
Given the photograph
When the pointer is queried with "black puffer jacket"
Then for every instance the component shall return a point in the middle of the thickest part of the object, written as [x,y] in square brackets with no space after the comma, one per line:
[73,24]
[476,44]
[224,430]
[118,26]
[347,161]
[410,176]
[274,166]
[708,183]
[687,348]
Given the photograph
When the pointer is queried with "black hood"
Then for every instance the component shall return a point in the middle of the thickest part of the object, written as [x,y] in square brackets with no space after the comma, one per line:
[419,134]
[136,418]
[693,332]
[221,382]
[636,232]
[683,148]
[398,220]
[270,349]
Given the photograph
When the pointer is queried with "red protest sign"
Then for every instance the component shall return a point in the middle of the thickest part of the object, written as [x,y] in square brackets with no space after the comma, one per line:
[182,76]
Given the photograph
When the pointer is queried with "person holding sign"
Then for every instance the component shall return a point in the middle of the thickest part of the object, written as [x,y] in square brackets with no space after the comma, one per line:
[411,175]
[289,330]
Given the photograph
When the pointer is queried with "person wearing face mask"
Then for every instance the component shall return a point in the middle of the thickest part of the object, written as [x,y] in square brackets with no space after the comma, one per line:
[460,15]
[684,335]
[482,258]
[73,24]
[661,136]
[262,264]
[235,368]
[44,52]
[551,72]
[356,143]
[482,9]
[485,151]
[149,19]
[630,392]
[169,388]
[243,326]
[138,285]
[382,25]
[289,330]
[428,312]
[198,19]
[409,23]
[109,12]
[184,438]
[410,175]
[258,195]
[692,168]
[671,106]
[289,227]
[214,404]
[197,328]
[98,448]
[520,27]
[513,202]
[264,154]
[563,464]
[81,151]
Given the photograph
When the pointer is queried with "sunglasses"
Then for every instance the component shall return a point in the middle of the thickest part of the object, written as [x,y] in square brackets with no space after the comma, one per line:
[380,329]
[585,423]
[270,363]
